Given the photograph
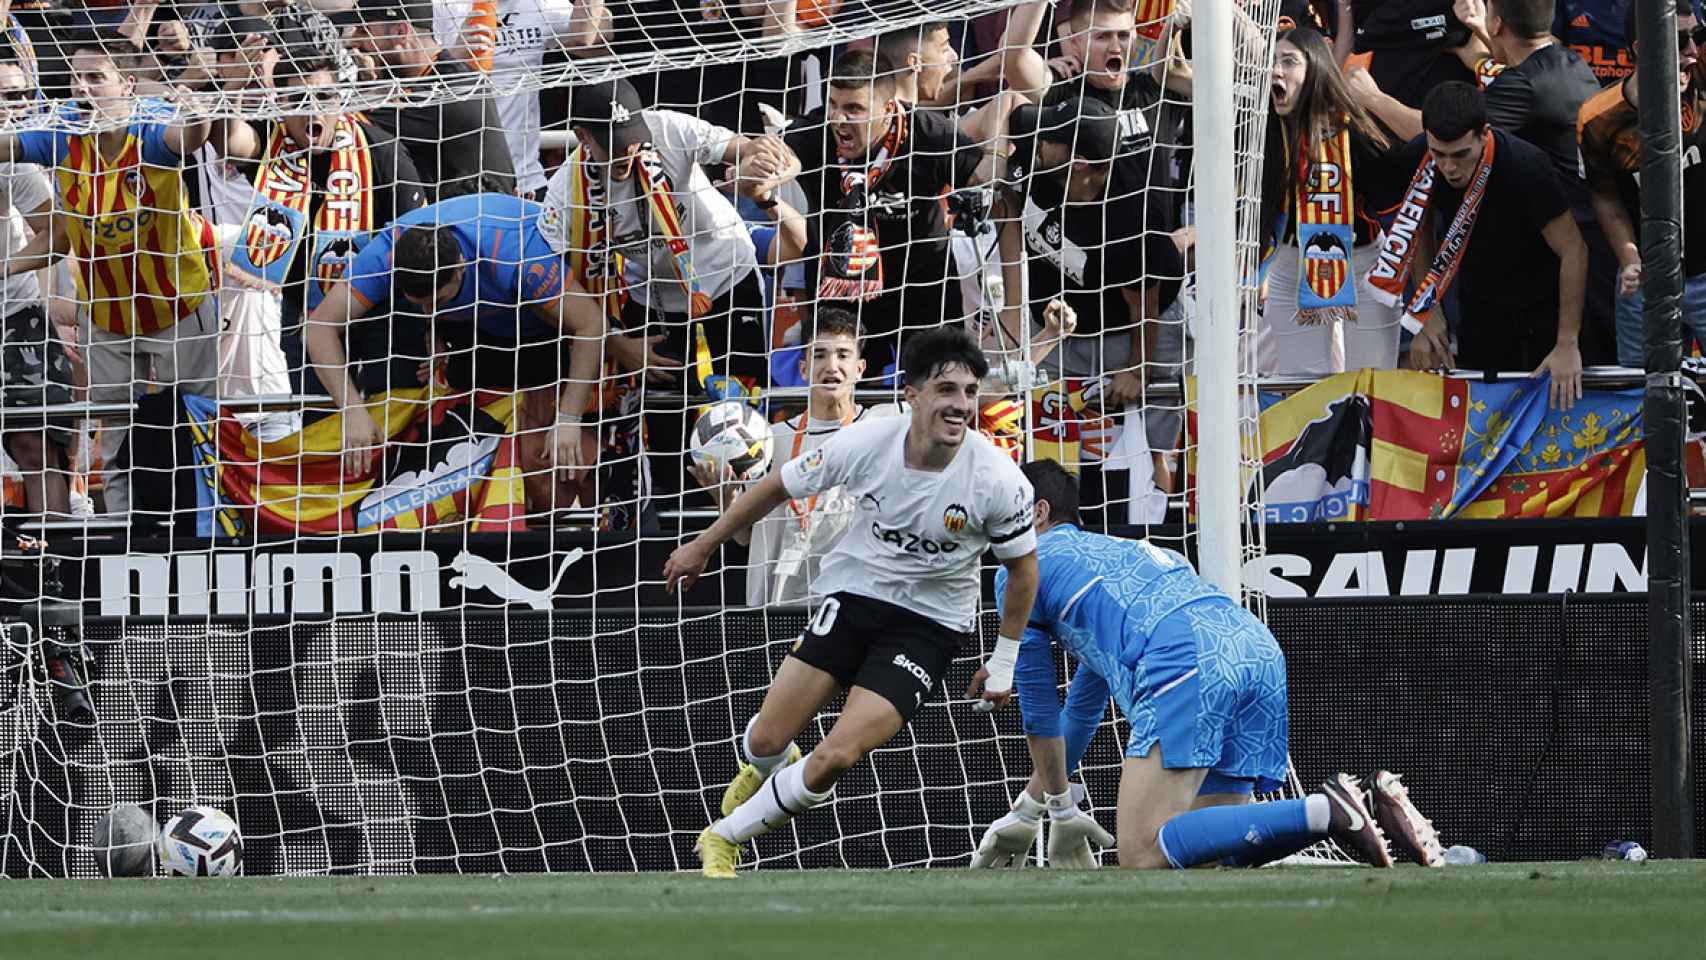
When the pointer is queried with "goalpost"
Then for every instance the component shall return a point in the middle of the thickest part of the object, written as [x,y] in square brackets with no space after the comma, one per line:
[493,684]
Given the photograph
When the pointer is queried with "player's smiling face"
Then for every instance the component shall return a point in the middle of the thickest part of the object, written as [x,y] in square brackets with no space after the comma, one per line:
[945,406]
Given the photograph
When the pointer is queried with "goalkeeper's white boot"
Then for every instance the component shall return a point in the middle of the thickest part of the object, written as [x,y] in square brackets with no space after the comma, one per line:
[1352,824]
[718,857]
[1412,834]
[748,780]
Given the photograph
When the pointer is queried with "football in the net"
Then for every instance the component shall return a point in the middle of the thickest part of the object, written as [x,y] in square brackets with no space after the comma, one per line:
[124,841]
[732,434]
[201,842]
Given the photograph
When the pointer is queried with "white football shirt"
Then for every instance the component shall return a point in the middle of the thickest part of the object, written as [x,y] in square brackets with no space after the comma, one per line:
[917,537]
[789,545]
[719,243]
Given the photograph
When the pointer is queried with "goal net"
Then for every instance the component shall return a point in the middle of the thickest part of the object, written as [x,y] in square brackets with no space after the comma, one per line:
[330,530]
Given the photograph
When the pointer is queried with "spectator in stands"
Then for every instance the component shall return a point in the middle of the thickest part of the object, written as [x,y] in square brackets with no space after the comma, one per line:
[1072,221]
[142,258]
[1098,63]
[874,171]
[786,547]
[453,141]
[509,39]
[474,270]
[1503,224]
[324,181]
[1535,87]
[1403,52]
[1594,29]
[1324,16]
[1611,157]
[927,62]
[694,291]
[33,367]
[1329,167]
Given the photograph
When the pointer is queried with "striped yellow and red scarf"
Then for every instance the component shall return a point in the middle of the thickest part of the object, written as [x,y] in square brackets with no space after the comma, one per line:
[1326,232]
[285,179]
[1397,245]
[851,267]
[654,183]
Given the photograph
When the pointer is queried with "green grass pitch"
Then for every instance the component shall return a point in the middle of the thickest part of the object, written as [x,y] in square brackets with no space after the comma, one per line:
[1555,911]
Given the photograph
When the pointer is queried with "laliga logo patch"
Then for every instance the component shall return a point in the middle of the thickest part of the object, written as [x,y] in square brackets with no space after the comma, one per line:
[954,518]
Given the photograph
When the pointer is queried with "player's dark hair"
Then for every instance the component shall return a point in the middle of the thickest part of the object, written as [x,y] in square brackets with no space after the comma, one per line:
[424,260]
[897,45]
[1056,487]
[858,69]
[1454,110]
[1085,11]
[829,322]
[930,354]
[1528,19]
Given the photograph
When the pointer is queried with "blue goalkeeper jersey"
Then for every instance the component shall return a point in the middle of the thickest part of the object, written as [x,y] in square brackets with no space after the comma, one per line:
[1100,597]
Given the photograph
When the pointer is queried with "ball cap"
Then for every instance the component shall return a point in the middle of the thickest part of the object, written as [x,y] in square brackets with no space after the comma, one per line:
[1086,125]
[415,12]
[610,111]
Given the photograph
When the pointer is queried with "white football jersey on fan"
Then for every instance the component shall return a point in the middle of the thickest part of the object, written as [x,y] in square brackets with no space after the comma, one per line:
[917,537]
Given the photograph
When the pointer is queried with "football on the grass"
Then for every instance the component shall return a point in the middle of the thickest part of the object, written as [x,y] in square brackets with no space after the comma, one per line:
[735,435]
[123,842]
[201,842]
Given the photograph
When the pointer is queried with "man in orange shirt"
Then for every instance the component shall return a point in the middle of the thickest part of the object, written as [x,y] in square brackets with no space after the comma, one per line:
[143,260]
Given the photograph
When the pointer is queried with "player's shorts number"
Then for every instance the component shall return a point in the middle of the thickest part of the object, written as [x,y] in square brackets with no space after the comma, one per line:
[825,617]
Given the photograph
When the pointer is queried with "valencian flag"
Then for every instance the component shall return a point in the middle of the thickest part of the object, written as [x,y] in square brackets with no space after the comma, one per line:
[447,459]
[1404,445]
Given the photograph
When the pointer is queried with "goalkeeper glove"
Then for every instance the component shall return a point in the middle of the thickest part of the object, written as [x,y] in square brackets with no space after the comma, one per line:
[1071,831]
[1009,840]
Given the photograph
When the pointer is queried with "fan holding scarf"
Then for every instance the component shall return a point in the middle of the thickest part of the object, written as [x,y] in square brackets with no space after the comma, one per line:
[634,202]
[1487,210]
[1328,170]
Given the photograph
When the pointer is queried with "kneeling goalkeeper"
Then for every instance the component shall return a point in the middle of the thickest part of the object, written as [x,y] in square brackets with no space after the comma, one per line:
[1202,684]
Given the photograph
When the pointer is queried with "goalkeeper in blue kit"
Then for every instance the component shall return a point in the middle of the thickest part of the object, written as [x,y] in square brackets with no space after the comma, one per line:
[1202,684]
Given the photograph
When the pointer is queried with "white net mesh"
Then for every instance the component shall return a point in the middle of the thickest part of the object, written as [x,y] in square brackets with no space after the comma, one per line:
[316,564]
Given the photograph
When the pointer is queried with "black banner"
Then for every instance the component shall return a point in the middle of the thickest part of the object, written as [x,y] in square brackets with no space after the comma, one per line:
[414,573]
[582,740]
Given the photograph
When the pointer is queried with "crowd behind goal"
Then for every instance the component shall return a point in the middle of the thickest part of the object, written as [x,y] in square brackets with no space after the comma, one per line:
[1024,173]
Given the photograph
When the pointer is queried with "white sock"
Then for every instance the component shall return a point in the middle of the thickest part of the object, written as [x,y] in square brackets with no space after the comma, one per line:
[782,798]
[764,765]
[1319,811]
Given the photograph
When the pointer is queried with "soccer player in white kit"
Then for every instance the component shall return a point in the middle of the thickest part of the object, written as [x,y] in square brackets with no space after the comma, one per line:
[901,588]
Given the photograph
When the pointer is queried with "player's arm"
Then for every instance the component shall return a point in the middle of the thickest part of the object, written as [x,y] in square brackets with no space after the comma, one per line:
[580,317]
[44,249]
[688,561]
[1021,65]
[1017,595]
[1619,232]
[1565,360]
[324,339]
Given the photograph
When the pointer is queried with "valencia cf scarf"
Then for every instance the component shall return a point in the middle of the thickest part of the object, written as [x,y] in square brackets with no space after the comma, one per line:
[592,263]
[1397,245]
[278,219]
[1325,207]
[851,267]
[654,182]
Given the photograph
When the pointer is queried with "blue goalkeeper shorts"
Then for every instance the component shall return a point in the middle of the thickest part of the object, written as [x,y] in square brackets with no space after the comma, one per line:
[1209,687]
